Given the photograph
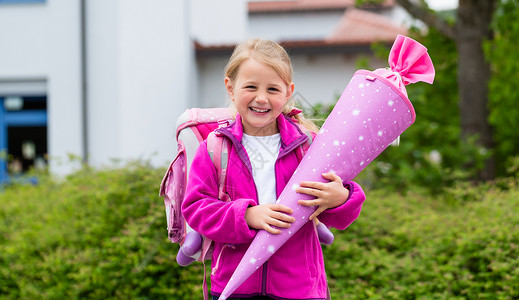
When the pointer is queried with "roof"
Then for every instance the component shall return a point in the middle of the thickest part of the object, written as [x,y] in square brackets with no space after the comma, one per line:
[293,47]
[299,5]
[355,32]
[307,5]
[360,26]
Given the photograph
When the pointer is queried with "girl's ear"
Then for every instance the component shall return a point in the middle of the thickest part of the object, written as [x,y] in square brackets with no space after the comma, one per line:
[228,86]
[290,90]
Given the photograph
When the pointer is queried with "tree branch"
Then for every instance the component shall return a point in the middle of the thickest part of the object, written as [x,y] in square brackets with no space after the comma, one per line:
[429,18]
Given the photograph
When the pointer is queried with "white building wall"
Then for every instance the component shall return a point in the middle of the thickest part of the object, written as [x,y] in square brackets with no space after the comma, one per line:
[140,62]
[41,41]
[317,78]
[294,26]
[103,85]
[154,71]
[223,22]
[218,22]
[64,97]
[322,78]
[211,91]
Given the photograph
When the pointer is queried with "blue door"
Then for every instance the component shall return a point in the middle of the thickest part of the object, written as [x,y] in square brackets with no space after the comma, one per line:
[23,134]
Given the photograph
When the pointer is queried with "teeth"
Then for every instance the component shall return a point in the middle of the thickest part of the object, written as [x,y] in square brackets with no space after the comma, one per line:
[259,110]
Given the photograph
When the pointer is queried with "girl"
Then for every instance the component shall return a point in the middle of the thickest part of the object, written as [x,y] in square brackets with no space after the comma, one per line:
[264,140]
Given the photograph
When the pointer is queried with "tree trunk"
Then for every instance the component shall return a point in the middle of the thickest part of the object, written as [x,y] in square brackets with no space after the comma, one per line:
[472,28]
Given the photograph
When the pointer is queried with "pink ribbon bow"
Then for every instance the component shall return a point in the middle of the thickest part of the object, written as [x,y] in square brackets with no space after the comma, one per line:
[409,63]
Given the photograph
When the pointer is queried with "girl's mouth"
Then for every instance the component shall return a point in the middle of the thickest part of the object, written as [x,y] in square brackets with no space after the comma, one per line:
[259,110]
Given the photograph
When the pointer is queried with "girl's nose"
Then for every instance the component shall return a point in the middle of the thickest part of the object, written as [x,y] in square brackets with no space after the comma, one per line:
[261,97]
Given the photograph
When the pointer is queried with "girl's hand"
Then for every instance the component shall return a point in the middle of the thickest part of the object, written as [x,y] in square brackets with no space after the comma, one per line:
[267,215]
[327,195]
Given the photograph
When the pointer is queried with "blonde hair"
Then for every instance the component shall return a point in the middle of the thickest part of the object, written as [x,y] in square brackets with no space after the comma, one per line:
[273,55]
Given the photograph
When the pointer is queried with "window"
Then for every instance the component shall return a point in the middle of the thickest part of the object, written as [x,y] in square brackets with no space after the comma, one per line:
[23,134]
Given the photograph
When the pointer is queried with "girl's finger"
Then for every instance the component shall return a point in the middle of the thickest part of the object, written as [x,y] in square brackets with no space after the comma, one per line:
[312,184]
[309,191]
[283,217]
[331,176]
[281,208]
[278,223]
[317,212]
[270,229]
[308,202]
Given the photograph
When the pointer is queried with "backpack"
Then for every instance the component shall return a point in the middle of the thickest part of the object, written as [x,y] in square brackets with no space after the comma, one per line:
[194,126]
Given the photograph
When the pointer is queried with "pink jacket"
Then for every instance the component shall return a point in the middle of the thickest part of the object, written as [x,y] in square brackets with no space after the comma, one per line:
[296,270]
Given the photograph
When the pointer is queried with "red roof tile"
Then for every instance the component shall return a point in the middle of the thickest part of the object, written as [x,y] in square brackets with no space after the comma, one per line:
[298,5]
[305,5]
[360,26]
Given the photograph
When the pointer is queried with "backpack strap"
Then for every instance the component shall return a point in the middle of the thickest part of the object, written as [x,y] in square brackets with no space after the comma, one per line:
[205,247]
[218,147]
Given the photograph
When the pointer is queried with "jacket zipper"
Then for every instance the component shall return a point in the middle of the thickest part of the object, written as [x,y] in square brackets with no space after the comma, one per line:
[297,143]
[285,151]
[243,157]
[265,265]
[264,279]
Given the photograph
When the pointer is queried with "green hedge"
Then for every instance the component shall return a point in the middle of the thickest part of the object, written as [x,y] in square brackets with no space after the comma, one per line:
[100,234]
[425,247]
[94,235]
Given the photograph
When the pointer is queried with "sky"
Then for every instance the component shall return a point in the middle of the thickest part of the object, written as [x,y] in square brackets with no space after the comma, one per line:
[442,4]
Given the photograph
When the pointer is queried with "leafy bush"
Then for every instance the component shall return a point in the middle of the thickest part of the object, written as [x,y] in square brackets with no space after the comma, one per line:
[96,235]
[426,247]
[503,86]
[100,234]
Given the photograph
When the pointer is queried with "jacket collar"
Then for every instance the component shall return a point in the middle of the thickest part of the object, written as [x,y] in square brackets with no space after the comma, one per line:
[291,135]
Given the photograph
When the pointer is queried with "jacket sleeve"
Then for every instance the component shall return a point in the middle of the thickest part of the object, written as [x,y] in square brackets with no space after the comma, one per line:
[217,220]
[342,216]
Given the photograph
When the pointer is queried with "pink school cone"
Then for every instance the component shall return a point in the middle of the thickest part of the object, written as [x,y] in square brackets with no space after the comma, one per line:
[370,114]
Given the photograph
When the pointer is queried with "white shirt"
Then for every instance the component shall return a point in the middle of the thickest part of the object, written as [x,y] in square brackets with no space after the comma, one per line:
[263,152]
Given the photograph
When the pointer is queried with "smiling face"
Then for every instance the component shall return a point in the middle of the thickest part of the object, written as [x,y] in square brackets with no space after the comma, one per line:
[259,94]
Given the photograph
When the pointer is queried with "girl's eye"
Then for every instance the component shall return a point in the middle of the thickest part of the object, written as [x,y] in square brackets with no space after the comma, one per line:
[273,89]
[250,87]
